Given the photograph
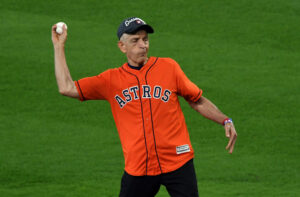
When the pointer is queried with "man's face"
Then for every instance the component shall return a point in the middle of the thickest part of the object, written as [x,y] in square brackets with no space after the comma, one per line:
[135,47]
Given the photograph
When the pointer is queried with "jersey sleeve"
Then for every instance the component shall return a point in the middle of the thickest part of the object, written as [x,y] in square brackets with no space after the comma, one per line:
[94,88]
[185,87]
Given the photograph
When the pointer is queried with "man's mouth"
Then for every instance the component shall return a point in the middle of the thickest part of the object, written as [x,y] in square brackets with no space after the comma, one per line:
[142,54]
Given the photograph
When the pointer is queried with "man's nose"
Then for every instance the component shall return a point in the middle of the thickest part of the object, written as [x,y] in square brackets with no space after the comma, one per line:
[142,44]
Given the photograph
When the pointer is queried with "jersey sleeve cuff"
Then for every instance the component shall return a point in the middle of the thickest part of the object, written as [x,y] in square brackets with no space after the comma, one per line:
[81,97]
[198,96]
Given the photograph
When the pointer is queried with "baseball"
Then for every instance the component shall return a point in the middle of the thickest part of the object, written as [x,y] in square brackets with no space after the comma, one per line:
[59,27]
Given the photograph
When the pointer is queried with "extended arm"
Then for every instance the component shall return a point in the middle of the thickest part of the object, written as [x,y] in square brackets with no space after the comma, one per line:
[207,109]
[64,80]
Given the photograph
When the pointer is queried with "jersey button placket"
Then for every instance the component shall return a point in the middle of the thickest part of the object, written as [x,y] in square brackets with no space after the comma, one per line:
[147,123]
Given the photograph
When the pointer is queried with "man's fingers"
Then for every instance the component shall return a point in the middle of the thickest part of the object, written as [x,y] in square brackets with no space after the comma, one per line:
[232,135]
[232,145]
[64,29]
[59,38]
[230,142]
[227,131]
[54,28]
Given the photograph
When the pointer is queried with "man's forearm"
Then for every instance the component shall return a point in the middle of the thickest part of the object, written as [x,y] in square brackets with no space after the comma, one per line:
[207,109]
[63,77]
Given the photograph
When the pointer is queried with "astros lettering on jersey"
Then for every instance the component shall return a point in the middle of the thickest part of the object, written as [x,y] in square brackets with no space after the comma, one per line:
[147,113]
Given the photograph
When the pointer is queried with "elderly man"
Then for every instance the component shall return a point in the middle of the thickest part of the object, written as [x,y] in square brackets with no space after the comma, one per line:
[143,95]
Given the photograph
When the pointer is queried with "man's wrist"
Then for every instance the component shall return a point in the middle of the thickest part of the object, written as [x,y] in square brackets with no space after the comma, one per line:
[227,120]
[59,46]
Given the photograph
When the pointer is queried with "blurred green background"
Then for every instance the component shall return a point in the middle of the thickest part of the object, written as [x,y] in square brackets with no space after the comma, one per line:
[244,54]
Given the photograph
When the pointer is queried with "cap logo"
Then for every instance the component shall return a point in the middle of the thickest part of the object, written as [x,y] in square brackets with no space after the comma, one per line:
[138,20]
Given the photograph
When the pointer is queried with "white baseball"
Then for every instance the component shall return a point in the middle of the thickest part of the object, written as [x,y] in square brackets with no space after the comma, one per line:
[59,27]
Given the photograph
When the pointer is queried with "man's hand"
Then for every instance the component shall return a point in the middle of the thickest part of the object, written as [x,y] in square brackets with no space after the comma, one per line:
[59,39]
[231,134]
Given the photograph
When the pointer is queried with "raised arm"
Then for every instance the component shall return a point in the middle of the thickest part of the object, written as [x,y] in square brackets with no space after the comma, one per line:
[207,109]
[64,80]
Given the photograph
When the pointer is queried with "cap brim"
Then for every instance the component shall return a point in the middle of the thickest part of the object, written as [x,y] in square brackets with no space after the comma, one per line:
[145,27]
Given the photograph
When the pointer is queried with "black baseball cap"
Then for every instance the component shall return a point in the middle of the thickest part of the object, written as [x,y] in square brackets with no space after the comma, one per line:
[132,25]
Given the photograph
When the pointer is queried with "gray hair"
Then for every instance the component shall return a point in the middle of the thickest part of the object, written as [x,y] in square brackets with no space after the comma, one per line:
[124,37]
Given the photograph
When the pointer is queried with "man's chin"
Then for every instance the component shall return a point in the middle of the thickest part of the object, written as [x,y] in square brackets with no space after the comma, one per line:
[142,60]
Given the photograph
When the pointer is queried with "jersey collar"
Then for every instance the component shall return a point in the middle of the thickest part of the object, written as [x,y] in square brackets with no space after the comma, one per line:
[150,62]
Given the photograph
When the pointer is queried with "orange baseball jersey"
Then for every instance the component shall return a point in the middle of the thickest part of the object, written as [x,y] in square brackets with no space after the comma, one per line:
[147,113]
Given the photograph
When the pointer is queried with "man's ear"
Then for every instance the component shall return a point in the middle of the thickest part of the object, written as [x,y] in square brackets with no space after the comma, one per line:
[122,46]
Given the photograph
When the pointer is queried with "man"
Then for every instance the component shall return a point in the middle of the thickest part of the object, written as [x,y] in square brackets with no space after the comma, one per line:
[143,94]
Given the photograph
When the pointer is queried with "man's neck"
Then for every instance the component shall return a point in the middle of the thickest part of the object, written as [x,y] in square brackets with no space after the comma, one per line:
[137,64]
[135,67]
